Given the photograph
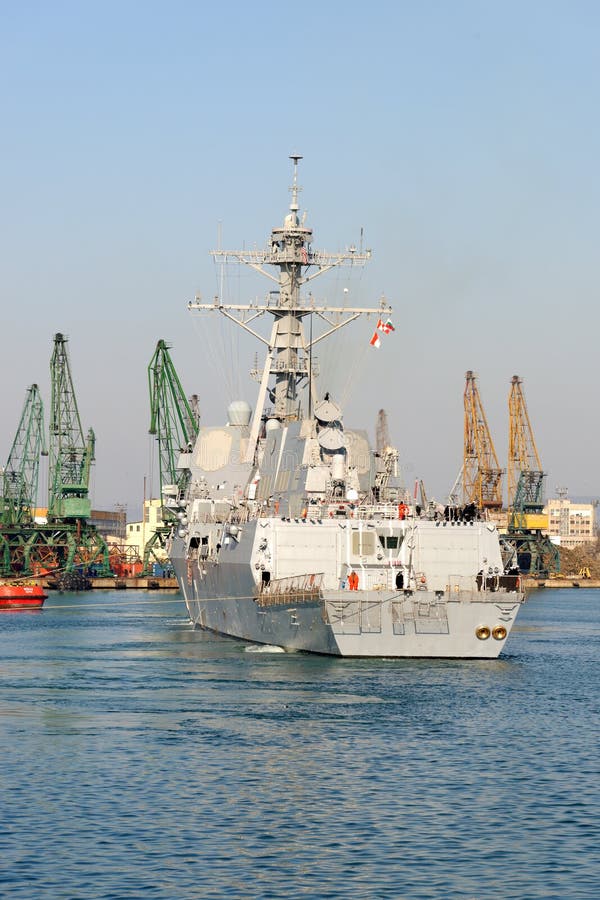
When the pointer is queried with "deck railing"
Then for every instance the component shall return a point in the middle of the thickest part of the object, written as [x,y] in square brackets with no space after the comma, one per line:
[294,589]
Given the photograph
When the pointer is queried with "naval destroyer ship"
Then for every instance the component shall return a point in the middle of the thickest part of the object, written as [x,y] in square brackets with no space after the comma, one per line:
[292,531]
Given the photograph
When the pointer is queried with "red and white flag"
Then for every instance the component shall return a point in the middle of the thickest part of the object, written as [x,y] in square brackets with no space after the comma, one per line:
[385,326]
[375,341]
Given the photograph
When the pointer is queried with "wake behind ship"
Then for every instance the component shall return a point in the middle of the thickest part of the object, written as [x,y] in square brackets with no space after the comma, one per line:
[293,531]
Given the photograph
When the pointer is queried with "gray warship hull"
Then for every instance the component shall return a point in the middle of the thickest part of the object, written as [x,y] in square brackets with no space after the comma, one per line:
[437,616]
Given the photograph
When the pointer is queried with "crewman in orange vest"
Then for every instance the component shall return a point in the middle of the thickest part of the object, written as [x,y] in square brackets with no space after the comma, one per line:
[353,581]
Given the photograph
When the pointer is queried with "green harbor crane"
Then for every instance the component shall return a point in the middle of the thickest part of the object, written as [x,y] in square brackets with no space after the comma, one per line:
[69,537]
[18,498]
[174,421]
[20,475]
[66,547]
[71,455]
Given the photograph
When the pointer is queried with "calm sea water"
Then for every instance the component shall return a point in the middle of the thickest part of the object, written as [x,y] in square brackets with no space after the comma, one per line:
[142,759]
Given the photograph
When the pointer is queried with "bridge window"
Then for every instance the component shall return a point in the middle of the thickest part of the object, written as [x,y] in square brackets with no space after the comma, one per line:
[390,541]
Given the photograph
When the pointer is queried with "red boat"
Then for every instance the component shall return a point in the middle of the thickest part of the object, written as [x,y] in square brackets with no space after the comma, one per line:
[21,596]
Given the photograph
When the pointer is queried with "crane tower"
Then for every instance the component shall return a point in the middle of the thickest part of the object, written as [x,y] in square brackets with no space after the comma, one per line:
[482,475]
[523,455]
[71,454]
[174,420]
[19,484]
[20,475]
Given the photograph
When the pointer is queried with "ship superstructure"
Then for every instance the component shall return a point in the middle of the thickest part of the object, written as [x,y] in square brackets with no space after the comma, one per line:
[293,531]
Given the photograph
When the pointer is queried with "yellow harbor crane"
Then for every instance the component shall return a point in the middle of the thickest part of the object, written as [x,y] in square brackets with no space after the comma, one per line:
[536,554]
[481,474]
[523,455]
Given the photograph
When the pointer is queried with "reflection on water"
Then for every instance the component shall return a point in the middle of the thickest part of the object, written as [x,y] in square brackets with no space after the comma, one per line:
[144,759]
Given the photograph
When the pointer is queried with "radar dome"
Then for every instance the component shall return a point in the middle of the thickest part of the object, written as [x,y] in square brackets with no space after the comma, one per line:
[239,413]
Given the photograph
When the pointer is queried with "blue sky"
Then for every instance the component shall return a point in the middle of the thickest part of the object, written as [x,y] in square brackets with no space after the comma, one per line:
[463,137]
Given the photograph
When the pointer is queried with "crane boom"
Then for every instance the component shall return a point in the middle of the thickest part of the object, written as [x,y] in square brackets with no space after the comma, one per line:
[523,455]
[20,475]
[535,552]
[525,475]
[71,454]
[482,475]
[175,422]
[172,418]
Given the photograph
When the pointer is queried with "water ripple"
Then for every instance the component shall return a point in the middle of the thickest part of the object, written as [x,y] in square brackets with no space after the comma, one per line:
[143,759]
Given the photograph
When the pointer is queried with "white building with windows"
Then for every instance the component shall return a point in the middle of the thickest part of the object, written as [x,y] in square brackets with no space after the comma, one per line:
[570,524]
[138,534]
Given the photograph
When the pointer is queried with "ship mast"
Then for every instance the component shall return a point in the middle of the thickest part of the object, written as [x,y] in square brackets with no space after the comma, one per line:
[288,358]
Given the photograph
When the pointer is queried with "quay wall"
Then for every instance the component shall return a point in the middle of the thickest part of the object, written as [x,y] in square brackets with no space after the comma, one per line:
[566,581]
